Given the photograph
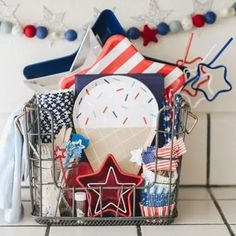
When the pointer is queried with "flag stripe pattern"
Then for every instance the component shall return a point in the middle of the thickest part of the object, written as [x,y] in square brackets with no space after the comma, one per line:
[117,58]
[163,211]
[163,155]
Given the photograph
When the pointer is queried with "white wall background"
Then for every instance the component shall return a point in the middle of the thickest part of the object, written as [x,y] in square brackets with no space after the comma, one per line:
[17,52]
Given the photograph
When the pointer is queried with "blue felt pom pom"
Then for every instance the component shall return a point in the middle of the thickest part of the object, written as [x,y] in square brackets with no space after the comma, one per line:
[41,32]
[210,17]
[70,35]
[163,28]
[133,33]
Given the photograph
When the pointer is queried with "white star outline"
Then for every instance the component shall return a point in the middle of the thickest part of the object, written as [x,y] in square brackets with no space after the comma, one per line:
[54,22]
[9,13]
[124,210]
[154,14]
[79,143]
[202,6]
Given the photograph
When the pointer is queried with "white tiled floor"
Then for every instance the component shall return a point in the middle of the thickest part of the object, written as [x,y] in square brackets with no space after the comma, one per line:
[197,212]
[224,193]
[91,231]
[229,209]
[193,193]
[185,230]
[24,231]
[197,216]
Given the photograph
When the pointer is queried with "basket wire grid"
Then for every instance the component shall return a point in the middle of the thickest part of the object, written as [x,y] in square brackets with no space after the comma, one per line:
[37,164]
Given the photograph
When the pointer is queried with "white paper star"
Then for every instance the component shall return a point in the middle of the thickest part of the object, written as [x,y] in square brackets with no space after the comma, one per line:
[8,13]
[55,24]
[136,156]
[202,6]
[154,15]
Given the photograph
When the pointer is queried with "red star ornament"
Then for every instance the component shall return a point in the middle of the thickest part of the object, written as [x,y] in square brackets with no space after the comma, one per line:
[110,191]
[148,35]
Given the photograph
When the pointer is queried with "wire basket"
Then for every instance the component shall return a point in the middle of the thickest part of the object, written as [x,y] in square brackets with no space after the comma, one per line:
[47,190]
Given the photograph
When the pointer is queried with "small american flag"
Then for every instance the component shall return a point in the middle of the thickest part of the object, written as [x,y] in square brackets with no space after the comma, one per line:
[165,153]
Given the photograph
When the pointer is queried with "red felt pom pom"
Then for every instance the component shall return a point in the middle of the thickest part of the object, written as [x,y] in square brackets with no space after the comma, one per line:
[29,31]
[198,20]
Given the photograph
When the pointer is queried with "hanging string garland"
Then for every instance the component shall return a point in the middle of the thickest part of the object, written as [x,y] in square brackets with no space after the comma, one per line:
[196,20]
[52,26]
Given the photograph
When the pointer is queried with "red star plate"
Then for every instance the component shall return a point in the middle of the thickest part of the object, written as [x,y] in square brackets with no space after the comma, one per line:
[110,191]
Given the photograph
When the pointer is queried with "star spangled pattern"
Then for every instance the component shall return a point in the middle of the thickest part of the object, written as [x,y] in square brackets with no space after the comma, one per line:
[202,6]
[154,14]
[167,118]
[8,13]
[60,105]
[54,21]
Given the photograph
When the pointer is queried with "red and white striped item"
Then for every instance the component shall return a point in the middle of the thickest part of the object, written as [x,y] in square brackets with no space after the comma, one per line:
[179,149]
[119,56]
[163,211]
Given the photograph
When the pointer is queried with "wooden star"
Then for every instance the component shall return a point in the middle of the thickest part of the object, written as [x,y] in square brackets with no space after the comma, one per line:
[149,35]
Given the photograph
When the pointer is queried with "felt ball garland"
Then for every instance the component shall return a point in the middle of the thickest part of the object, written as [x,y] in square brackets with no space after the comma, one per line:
[41,32]
[29,31]
[187,23]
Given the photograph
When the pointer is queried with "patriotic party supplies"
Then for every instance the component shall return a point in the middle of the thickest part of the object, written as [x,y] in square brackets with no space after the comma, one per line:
[117,113]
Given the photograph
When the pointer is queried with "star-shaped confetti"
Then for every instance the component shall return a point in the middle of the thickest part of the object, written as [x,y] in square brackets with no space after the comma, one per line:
[154,15]
[202,6]
[8,13]
[54,22]
[136,156]
[149,35]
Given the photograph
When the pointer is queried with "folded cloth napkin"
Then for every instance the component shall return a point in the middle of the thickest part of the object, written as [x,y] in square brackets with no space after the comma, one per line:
[13,167]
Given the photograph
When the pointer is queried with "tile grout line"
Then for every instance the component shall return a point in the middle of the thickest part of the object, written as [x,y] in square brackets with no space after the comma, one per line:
[139,230]
[221,213]
[208,149]
[47,230]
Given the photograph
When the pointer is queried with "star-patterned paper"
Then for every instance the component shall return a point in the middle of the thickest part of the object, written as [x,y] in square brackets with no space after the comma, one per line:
[60,105]
[110,191]
[154,15]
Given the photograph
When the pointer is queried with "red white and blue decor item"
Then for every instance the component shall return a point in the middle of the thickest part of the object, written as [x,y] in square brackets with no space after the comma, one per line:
[110,190]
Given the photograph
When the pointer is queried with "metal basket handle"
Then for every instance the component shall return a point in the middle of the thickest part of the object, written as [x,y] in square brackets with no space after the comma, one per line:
[190,114]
